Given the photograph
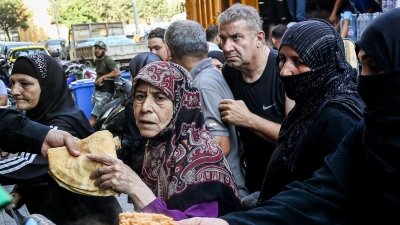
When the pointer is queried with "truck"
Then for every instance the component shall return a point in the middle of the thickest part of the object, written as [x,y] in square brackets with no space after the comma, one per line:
[121,49]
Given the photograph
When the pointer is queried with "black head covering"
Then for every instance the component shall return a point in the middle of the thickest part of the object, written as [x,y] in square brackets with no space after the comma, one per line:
[381,94]
[218,55]
[380,40]
[330,81]
[55,98]
[140,60]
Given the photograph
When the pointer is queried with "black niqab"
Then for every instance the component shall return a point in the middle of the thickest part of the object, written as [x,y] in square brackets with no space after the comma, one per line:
[330,81]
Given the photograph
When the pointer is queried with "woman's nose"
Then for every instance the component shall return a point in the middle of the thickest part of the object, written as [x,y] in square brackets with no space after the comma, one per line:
[147,104]
[287,69]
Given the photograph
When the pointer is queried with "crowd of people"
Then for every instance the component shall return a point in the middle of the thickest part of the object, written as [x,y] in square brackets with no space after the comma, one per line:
[222,129]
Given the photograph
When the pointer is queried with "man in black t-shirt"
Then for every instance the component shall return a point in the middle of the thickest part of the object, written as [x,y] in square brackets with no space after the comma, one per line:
[260,104]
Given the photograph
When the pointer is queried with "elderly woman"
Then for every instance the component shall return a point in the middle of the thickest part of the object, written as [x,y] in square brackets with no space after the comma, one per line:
[185,173]
[38,86]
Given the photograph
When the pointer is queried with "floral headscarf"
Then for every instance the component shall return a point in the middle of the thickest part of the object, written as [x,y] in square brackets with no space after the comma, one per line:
[184,160]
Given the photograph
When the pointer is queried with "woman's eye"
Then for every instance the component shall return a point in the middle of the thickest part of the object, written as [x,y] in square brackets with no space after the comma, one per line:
[299,63]
[160,98]
[139,97]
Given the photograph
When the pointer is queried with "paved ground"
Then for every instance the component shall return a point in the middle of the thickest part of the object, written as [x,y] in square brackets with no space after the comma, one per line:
[7,220]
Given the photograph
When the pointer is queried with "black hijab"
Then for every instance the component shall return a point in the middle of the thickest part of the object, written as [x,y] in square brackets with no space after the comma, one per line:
[381,93]
[140,60]
[330,81]
[55,101]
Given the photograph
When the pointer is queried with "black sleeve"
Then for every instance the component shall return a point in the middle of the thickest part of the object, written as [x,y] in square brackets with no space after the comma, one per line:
[18,132]
[322,199]
[24,167]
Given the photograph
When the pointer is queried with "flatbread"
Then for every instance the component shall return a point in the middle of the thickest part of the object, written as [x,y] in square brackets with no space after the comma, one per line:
[73,173]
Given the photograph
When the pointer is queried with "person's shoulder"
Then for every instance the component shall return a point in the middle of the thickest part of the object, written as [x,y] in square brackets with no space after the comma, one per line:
[108,58]
[336,113]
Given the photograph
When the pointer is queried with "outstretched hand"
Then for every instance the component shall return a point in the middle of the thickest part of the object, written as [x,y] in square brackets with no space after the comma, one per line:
[58,138]
[120,177]
[202,221]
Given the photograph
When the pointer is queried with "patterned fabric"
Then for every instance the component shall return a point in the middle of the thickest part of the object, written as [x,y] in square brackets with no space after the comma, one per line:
[183,163]
[55,98]
[330,81]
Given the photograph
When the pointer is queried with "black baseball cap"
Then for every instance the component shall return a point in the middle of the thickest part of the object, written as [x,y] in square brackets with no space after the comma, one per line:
[157,32]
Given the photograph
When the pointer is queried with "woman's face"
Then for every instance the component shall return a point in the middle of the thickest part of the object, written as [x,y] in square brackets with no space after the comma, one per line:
[290,62]
[25,90]
[153,109]
[368,66]
[217,64]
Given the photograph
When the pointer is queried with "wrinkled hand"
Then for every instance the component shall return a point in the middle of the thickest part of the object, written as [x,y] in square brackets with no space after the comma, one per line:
[115,175]
[234,112]
[202,221]
[16,203]
[58,138]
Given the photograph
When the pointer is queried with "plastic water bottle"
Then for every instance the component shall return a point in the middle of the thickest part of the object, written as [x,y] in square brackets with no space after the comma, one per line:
[384,5]
[341,25]
[352,33]
[359,25]
[389,5]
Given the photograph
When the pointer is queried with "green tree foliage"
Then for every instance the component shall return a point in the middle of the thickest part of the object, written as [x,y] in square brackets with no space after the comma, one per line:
[85,11]
[74,11]
[13,14]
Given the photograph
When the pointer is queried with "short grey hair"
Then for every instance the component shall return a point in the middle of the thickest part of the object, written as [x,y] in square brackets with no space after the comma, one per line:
[186,38]
[242,12]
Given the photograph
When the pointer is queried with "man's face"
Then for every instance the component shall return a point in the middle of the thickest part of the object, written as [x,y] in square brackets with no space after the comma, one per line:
[99,52]
[157,46]
[238,43]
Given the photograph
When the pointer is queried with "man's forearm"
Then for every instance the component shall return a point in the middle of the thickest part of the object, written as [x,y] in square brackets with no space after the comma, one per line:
[264,128]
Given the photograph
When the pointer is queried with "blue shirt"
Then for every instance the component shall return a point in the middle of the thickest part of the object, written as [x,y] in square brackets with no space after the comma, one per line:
[361,6]
[3,90]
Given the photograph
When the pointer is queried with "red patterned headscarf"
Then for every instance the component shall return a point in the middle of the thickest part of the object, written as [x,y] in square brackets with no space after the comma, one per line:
[183,164]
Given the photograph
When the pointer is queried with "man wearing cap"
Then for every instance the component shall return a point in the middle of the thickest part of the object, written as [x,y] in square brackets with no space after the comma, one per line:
[103,89]
[156,44]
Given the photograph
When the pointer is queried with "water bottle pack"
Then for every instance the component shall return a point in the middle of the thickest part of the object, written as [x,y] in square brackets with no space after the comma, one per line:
[358,23]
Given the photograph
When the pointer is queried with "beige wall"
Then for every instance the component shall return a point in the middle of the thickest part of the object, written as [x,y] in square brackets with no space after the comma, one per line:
[40,27]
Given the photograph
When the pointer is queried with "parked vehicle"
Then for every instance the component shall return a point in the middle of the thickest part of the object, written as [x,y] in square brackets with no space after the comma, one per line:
[7,45]
[5,71]
[16,52]
[64,54]
[77,71]
[122,49]
[112,116]
[54,46]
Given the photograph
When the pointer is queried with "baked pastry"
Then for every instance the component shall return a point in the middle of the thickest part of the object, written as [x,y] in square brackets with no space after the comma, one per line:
[128,218]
